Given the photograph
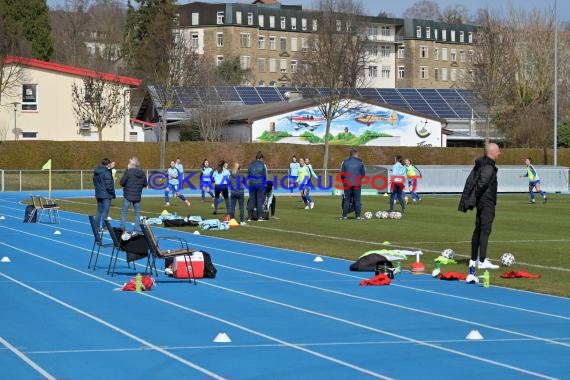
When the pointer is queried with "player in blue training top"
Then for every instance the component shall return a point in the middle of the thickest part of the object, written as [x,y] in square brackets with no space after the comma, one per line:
[533,181]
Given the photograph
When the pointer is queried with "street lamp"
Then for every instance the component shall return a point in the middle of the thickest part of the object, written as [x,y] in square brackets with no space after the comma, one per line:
[15,104]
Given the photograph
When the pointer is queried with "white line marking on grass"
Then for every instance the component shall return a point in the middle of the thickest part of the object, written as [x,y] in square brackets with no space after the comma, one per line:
[115,328]
[27,360]
[182,307]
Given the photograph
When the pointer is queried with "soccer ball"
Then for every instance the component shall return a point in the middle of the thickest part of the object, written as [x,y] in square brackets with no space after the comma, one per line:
[368,215]
[448,253]
[384,214]
[507,259]
[392,215]
[378,214]
[397,215]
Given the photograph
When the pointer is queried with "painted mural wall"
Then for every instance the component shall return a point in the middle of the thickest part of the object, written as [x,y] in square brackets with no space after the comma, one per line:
[359,124]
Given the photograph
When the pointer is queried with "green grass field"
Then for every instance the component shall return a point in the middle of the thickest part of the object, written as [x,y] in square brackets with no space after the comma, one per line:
[536,234]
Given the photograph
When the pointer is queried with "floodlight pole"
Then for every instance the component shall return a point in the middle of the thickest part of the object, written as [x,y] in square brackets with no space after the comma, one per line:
[555,83]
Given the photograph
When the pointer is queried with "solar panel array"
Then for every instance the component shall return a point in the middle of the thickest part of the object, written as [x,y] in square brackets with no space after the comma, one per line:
[444,103]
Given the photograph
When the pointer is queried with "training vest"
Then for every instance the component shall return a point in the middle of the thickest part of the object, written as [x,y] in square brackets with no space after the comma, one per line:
[531,173]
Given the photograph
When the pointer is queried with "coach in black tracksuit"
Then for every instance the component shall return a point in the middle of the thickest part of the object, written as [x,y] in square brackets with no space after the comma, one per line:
[486,200]
[352,171]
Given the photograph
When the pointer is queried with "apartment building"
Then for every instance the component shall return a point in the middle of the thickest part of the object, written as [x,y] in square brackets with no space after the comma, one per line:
[435,55]
[269,38]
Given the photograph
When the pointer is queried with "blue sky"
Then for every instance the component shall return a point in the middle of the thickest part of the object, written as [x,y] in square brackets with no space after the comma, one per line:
[397,7]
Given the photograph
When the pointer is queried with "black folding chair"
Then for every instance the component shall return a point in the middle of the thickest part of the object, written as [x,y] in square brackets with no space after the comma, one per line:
[116,249]
[97,242]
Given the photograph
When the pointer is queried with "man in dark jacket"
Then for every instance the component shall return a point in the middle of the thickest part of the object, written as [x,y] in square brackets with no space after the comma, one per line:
[256,177]
[133,182]
[104,190]
[352,171]
[485,202]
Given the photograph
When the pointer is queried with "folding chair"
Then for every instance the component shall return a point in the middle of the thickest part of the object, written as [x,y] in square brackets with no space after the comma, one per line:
[116,249]
[155,252]
[98,242]
[37,208]
[50,205]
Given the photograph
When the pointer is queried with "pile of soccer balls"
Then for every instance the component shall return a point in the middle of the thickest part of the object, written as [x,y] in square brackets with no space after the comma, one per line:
[507,259]
[383,215]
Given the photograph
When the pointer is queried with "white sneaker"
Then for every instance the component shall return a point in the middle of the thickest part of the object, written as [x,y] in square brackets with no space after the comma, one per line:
[312,205]
[306,207]
[486,265]
[472,264]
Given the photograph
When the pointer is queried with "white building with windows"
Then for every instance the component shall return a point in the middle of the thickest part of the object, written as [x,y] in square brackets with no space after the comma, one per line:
[39,104]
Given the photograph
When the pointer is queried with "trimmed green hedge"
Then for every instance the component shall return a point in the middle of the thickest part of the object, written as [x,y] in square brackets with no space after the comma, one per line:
[30,155]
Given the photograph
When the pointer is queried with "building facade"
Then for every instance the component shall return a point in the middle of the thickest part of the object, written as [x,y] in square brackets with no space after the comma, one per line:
[269,39]
[40,106]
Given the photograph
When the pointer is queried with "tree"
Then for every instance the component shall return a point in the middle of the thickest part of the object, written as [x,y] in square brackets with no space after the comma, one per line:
[69,29]
[32,16]
[335,60]
[230,72]
[159,53]
[423,9]
[98,102]
[458,14]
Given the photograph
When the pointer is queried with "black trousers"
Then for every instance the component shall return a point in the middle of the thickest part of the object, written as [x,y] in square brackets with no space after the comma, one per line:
[483,227]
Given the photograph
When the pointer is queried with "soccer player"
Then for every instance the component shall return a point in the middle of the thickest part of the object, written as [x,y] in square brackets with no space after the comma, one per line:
[412,174]
[533,181]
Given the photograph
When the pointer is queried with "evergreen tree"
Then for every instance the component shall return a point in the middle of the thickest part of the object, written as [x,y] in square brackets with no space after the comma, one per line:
[32,17]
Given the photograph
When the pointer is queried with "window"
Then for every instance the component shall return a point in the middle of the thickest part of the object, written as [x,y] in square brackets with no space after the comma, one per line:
[283,22]
[303,24]
[245,62]
[386,72]
[272,65]
[453,36]
[470,56]
[462,55]
[401,72]
[435,34]
[372,71]
[453,75]
[29,135]
[272,21]
[293,23]
[261,42]
[245,40]
[261,65]
[219,17]
[372,31]
[418,31]
[283,43]
[283,65]
[401,52]
[436,73]
[238,17]
[261,20]
[271,43]
[470,37]
[373,50]
[249,18]
[315,24]
[293,66]
[423,72]
[220,39]
[385,31]
[195,41]
[443,73]
[428,32]
[444,54]
[444,35]
[461,36]
[219,60]
[338,25]
[195,18]
[293,43]
[453,55]
[423,51]
[385,51]
[304,44]
[435,54]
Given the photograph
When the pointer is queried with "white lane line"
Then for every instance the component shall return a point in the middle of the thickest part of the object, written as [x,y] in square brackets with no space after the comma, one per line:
[235,325]
[115,328]
[27,360]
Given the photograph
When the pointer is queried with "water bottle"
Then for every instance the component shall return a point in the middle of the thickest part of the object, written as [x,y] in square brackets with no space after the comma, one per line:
[138,283]
[486,279]
[398,267]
